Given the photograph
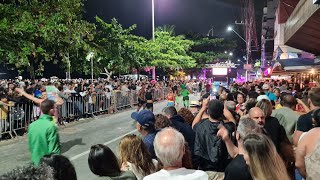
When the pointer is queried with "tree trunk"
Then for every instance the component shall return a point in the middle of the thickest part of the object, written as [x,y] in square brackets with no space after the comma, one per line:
[31,72]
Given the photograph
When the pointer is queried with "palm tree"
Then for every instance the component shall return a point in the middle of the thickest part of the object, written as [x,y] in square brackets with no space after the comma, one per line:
[167,28]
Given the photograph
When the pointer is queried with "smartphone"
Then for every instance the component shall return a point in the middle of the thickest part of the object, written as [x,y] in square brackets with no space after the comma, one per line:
[212,97]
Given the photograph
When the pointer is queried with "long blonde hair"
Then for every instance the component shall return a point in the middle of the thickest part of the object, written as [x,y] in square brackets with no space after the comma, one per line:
[133,150]
[266,106]
[265,162]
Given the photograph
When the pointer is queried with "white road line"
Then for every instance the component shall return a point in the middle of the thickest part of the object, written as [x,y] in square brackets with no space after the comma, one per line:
[106,143]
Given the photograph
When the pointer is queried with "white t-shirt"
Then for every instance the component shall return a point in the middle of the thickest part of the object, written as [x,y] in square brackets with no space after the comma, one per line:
[131,167]
[178,174]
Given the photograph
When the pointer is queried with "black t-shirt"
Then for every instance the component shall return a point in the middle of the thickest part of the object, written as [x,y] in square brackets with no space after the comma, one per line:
[273,128]
[237,169]
[148,96]
[304,123]
[210,148]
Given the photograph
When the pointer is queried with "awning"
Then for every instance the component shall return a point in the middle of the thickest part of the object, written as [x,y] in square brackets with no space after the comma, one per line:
[295,64]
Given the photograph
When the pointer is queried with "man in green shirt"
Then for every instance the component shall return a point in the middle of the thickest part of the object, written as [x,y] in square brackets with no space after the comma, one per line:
[185,95]
[43,137]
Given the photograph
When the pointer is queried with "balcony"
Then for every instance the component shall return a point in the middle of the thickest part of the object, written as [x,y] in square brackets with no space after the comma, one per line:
[302,29]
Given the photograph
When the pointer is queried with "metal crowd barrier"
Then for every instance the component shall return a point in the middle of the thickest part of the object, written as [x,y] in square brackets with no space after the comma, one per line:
[16,119]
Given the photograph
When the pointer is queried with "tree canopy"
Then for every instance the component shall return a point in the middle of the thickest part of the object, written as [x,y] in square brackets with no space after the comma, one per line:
[33,32]
[209,50]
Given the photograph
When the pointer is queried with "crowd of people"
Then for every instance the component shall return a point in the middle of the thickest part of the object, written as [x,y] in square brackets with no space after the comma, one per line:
[75,99]
[266,130]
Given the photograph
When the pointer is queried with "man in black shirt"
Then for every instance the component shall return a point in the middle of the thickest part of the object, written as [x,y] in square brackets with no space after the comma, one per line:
[304,123]
[210,148]
[238,169]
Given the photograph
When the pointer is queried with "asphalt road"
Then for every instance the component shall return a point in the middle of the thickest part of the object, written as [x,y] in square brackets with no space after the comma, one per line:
[76,140]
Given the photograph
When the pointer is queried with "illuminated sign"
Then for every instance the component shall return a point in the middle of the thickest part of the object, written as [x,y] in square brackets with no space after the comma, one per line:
[219,71]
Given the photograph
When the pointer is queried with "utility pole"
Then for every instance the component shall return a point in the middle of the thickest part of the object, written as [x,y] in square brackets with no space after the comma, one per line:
[153,39]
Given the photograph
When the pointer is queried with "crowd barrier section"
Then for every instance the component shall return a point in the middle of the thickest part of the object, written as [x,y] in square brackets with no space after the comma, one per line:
[15,119]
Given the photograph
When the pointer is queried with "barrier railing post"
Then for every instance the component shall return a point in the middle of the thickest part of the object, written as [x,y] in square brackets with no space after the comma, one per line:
[19,117]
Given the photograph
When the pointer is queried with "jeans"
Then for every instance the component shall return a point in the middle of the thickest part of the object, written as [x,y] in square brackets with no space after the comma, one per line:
[298,176]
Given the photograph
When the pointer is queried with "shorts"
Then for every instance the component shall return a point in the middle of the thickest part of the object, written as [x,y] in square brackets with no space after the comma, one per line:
[170,103]
[149,105]
[141,102]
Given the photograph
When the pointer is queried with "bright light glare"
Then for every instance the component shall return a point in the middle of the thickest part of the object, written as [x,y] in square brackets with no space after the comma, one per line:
[231,54]
[238,60]
[312,71]
[219,71]
[229,28]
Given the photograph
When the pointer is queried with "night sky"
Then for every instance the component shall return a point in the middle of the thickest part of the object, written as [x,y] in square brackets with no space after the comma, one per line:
[187,15]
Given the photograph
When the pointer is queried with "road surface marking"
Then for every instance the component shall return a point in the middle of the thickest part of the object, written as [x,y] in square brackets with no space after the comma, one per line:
[106,143]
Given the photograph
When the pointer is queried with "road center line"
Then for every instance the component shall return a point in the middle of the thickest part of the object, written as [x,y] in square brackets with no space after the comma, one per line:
[106,143]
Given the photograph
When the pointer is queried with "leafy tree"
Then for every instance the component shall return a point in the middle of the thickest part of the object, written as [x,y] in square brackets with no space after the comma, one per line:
[33,32]
[170,52]
[207,50]
[118,48]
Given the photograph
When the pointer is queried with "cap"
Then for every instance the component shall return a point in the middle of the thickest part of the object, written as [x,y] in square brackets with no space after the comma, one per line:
[263,97]
[194,104]
[144,118]
[266,86]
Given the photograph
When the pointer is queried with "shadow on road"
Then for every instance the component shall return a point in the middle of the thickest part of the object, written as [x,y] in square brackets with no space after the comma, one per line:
[66,146]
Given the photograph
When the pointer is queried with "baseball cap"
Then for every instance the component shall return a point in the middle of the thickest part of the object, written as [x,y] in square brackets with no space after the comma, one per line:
[263,97]
[265,86]
[195,104]
[144,118]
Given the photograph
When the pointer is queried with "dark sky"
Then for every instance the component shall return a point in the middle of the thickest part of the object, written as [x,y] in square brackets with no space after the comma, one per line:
[187,15]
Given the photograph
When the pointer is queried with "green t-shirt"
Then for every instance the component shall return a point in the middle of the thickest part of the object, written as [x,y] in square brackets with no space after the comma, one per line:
[184,93]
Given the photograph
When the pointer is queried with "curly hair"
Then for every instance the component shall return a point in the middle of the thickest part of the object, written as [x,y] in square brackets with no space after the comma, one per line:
[30,172]
[187,115]
[133,150]
[162,121]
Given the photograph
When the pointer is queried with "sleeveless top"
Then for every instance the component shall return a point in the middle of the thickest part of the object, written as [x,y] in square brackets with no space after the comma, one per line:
[170,97]
[312,162]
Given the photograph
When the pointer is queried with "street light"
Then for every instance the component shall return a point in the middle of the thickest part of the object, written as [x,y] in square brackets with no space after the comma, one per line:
[231,54]
[153,28]
[153,39]
[239,60]
[90,58]
[231,29]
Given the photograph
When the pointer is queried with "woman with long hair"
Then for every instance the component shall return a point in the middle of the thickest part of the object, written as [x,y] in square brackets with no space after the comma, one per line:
[104,163]
[262,158]
[134,156]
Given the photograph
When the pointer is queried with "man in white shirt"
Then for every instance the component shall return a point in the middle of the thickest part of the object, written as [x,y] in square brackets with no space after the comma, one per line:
[169,145]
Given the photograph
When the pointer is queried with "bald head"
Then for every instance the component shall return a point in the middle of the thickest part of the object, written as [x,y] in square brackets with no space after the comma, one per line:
[257,115]
[289,101]
[169,147]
